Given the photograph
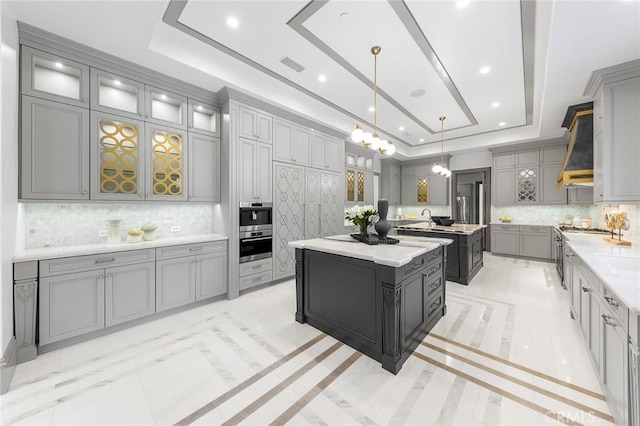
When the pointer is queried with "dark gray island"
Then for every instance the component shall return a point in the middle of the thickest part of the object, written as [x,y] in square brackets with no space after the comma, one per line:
[464,255]
[381,300]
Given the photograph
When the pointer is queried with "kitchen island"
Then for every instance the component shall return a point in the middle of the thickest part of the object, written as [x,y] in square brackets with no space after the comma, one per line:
[464,255]
[379,299]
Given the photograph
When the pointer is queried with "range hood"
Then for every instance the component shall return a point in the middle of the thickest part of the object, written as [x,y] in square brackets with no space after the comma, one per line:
[577,169]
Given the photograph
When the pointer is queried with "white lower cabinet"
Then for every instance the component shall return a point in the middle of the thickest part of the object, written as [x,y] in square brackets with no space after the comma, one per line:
[255,273]
[190,272]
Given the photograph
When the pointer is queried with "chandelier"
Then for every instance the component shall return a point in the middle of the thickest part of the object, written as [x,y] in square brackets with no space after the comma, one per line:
[439,168]
[372,140]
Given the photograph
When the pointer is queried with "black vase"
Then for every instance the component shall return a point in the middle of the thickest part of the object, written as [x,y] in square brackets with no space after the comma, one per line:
[382,226]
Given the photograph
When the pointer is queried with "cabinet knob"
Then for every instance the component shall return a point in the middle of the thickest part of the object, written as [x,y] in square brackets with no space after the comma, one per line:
[109,275]
[85,100]
[585,290]
[100,276]
[85,192]
[607,320]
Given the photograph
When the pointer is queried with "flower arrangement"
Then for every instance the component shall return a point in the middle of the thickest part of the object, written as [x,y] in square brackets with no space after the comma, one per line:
[362,217]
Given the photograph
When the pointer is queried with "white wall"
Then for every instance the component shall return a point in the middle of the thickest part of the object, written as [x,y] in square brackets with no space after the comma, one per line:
[471,160]
[8,165]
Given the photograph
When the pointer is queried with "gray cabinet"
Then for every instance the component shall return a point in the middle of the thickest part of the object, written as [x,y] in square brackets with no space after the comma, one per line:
[165,108]
[504,190]
[580,195]
[438,190]
[25,298]
[254,125]
[333,154]
[190,272]
[165,163]
[129,292]
[570,264]
[254,171]
[203,118]
[359,186]
[614,370]
[616,152]
[292,144]
[634,383]
[50,76]
[204,168]
[307,204]
[115,94]
[54,151]
[71,305]
[528,177]
[390,184]
[535,241]
[589,318]
[505,239]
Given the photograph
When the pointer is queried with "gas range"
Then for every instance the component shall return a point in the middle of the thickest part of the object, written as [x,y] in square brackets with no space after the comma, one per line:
[584,230]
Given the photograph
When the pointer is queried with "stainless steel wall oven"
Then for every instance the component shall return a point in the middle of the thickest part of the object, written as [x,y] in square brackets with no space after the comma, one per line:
[256,231]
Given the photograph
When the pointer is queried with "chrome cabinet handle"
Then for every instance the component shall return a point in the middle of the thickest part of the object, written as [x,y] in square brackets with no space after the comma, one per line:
[99,261]
[607,320]
[195,249]
[611,301]
[585,290]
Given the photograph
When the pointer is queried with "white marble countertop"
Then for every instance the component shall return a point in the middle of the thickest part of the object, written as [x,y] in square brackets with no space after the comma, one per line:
[86,249]
[497,222]
[617,266]
[458,228]
[384,254]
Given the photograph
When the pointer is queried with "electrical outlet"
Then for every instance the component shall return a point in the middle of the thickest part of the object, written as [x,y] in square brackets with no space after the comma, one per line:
[103,233]
[175,228]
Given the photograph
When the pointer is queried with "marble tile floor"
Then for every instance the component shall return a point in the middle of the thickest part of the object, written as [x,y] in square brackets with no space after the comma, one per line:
[506,353]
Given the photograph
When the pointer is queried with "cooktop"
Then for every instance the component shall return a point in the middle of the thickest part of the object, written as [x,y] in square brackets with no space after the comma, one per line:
[584,230]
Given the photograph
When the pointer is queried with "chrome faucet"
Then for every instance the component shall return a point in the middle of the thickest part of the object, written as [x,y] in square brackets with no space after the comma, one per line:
[422,214]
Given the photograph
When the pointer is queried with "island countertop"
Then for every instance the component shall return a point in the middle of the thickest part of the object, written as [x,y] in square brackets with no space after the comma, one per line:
[384,254]
[458,228]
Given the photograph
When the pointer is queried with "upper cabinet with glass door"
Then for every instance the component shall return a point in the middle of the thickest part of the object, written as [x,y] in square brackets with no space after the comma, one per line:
[204,118]
[129,98]
[52,77]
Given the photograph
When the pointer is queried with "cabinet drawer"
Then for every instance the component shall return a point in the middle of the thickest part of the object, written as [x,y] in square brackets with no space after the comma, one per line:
[434,270]
[435,306]
[95,261]
[434,287]
[258,266]
[536,229]
[614,305]
[434,255]
[190,249]
[416,264]
[255,280]
[505,228]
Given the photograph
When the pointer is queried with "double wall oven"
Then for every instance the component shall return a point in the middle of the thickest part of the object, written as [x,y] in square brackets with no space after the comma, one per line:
[256,231]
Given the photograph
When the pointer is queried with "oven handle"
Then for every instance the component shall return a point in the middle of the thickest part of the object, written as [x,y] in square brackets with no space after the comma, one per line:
[256,239]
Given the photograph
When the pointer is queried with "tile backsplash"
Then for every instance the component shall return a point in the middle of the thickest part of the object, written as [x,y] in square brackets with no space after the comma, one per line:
[54,225]
[546,215]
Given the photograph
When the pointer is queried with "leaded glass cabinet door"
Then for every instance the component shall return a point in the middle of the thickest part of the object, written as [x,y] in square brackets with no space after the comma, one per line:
[527,187]
[166,163]
[117,158]
[288,216]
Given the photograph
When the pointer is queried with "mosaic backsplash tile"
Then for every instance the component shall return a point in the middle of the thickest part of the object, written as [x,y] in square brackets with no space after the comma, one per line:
[54,225]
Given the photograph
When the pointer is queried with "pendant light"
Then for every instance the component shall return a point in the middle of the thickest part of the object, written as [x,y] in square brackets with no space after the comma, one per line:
[439,168]
[372,140]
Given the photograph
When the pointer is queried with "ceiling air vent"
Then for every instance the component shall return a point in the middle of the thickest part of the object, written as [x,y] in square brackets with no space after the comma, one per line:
[292,64]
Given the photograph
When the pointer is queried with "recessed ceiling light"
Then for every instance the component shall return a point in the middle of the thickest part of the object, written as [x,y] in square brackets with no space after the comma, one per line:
[117,82]
[233,22]
[322,78]
[421,139]
[401,128]
[462,3]
[371,109]
[59,65]
[485,70]
[312,129]
[344,16]
[199,107]
[502,124]
[495,104]
[163,97]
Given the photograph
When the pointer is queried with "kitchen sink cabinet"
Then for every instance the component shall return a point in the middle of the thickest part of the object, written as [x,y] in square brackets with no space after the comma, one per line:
[54,151]
[204,168]
[254,171]
[616,152]
[254,125]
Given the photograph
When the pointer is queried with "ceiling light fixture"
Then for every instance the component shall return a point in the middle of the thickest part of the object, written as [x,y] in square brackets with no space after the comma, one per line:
[485,70]
[322,78]
[439,167]
[59,65]
[233,22]
[502,123]
[495,104]
[117,82]
[369,140]
[462,4]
